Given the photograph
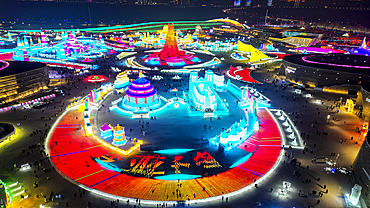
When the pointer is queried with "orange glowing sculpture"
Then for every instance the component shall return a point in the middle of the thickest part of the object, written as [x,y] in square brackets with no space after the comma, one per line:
[170,48]
[363,131]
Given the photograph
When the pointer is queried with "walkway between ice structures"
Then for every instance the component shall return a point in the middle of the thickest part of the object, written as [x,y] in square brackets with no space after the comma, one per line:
[71,152]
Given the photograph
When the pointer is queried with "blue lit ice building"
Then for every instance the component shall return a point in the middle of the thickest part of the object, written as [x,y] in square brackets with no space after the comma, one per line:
[239,131]
[202,90]
[236,132]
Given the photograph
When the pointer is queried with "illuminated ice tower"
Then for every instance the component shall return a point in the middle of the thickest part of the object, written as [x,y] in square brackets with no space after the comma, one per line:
[131,45]
[198,31]
[201,91]
[209,76]
[141,94]
[122,80]
[193,79]
[170,53]
[64,36]
[18,56]
[43,38]
[119,137]
[25,50]
[27,46]
[9,37]
[102,42]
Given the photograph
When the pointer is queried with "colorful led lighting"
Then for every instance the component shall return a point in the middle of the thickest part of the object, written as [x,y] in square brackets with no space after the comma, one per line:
[173,151]
[11,185]
[6,64]
[140,86]
[241,160]
[175,177]
[95,78]
[330,64]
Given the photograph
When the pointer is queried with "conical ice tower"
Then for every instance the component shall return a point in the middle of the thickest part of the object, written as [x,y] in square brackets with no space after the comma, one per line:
[364,45]
[170,48]
[170,54]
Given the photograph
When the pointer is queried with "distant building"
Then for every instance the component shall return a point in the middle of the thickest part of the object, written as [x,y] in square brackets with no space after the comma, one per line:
[20,79]
[145,2]
[340,73]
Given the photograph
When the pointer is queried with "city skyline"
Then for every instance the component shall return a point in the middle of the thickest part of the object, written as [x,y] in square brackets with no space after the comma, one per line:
[294,3]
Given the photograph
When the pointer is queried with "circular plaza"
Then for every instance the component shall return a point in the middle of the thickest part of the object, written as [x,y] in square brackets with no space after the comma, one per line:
[162,114]
[188,136]
[165,146]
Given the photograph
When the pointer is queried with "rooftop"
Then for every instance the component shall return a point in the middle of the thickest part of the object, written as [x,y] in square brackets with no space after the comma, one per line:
[336,62]
[140,81]
[16,67]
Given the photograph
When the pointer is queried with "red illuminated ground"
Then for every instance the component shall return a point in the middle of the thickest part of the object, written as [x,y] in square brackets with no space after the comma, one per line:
[243,73]
[71,152]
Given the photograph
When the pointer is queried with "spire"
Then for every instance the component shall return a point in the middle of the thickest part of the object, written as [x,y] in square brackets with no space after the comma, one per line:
[170,53]
[43,38]
[364,45]
[25,41]
[170,48]
[18,42]
[9,36]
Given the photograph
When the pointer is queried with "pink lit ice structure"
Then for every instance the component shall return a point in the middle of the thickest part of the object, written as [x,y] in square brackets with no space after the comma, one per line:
[72,46]
[43,38]
[120,41]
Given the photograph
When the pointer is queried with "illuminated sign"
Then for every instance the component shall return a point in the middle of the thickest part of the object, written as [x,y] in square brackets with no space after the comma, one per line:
[248,2]
[156,165]
[178,164]
[237,3]
[269,3]
[206,160]
[146,165]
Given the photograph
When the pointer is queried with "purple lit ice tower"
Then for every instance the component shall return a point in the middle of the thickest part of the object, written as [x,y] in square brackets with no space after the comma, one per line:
[141,94]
